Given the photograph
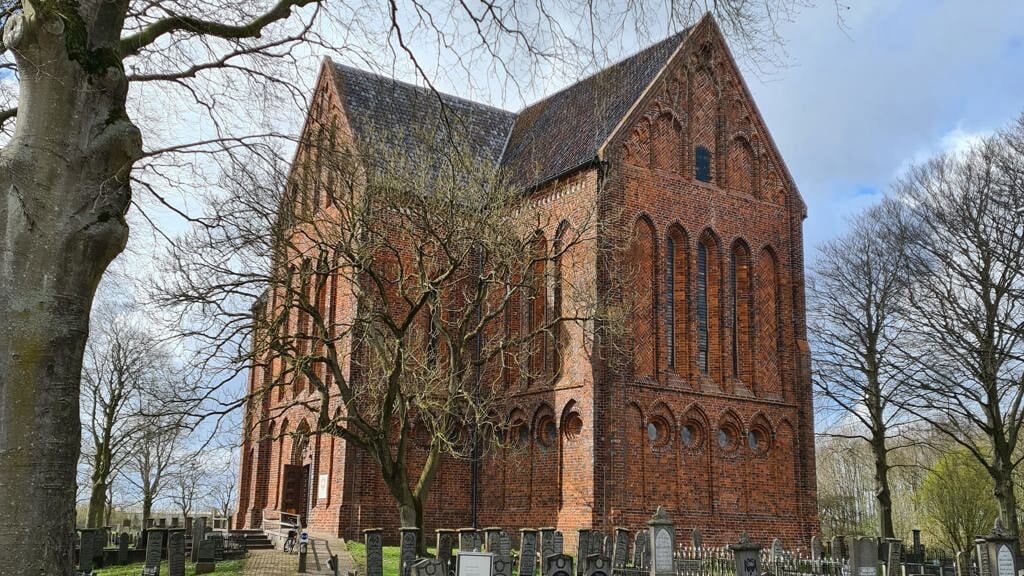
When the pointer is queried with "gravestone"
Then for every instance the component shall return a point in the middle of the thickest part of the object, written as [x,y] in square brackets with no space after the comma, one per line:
[527,552]
[467,539]
[445,543]
[547,545]
[864,557]
[777,551]
[502,559]
[407,550]
[491,539]
[599,565]
[176,554]
[218,545]
[596,544]
[918,548]
[981,548]
[207,555]
[747,555]
[997,550]
[374,552]
[582,549]
[154,552]
[620,548]
[430,567]
[86,543]
[557,545]
[198,534]
[122,548]
[640,555]
[662,543]
[816,551]
[839,551]
[695,540]
[558,564]
[894,558]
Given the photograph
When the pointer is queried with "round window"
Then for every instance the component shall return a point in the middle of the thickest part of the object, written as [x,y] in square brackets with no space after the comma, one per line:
[752,440]
[688,436]
[726,438]
[572,426]
[548,432]
[652,432]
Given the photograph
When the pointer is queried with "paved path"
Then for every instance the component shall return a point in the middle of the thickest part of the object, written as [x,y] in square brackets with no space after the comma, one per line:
[277,563]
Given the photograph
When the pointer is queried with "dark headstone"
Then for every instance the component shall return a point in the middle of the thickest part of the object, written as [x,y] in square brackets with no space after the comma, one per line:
[547,545]
[558,565]
[816,548]
[596,544]
[864,557]
[620,548]
[467,539]
[582,549]
[122,548]
[407,550]
[154,552]
[86,543]
[445,543]
[557,545]
[695,539]
[374,552]
[501,563]
[640,552]
[527,552]
[747,556]
[198,535]
[894,557]
[207,557]
[491,539]
[176,554]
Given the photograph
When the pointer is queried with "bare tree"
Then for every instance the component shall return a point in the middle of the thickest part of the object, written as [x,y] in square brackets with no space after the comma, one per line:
[121,359]
[81,83]
[858,295]
[153,460]
[967,239]
[187,486]
[386,311]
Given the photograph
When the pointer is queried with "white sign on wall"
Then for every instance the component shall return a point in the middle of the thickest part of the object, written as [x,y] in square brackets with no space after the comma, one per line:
[321,487]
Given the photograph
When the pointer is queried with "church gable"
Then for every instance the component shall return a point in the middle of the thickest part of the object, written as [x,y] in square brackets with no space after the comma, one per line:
[697,120]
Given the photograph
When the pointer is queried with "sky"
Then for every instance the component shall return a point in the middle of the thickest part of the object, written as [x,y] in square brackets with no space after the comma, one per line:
[905,80]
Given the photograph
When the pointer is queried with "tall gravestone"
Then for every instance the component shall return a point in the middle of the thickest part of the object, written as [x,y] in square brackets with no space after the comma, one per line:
[547,545]
[445,543]
[695,540]
[662,538]
[777,551]
[198,534]
[491,539]
[407,550]
[816,550]
[154,552]
[558,564]
[640,555]
[527,552]
[501,562]
[176,554]
[557,544]
[839,551]
[122,548]
[467,539]
[582,549]
[894,557]
[747,555]
[596,544]
[620,548]
[863,557]
[374,551]
[85,550]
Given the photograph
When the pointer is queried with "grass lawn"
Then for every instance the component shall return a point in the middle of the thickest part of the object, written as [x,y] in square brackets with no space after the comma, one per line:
[225,568]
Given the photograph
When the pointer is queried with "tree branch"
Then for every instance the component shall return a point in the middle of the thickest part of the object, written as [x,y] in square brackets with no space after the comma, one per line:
[131,45]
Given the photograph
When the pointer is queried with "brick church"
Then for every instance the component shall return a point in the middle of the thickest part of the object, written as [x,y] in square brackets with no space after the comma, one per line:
[713,420]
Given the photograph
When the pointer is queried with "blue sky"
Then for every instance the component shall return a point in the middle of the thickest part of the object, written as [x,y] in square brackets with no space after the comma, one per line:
[905,80]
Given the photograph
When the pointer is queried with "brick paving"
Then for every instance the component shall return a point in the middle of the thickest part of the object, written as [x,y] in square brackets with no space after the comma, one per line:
[277,563]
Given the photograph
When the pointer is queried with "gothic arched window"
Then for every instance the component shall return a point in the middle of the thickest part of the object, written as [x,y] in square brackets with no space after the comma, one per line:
[702,164]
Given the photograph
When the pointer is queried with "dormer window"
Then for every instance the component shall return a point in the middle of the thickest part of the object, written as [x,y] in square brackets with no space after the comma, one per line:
[702,164]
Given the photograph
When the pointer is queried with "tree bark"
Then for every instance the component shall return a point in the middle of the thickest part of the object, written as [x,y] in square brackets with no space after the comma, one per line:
[65,189]
[1007,498]
[883,493]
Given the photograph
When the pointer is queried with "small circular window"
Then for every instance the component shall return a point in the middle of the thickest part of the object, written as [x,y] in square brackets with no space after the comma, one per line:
[547,432]
[652,432]
[690,436]
[658,431]
[757,440]
[726,438]
[573,426]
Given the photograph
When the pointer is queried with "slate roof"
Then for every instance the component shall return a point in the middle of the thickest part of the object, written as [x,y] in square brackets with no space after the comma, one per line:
[545,140]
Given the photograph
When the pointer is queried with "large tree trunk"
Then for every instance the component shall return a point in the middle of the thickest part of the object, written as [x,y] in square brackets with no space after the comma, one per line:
[1004,493]
[64,187]
[97,504]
